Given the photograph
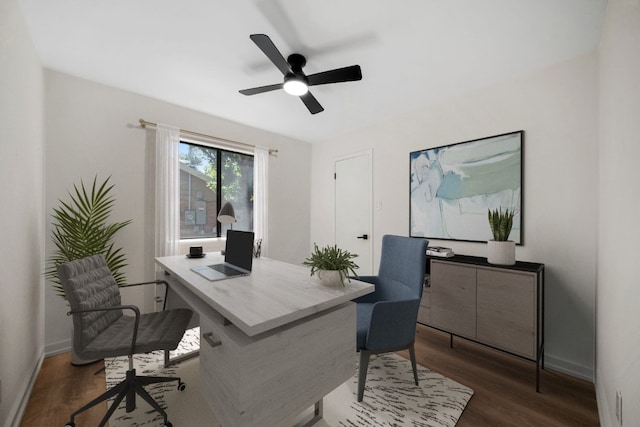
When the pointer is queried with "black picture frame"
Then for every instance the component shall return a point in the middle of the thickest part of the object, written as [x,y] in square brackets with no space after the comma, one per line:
[452,187]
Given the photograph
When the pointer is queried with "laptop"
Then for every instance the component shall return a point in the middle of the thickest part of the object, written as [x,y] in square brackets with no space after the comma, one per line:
[238,258]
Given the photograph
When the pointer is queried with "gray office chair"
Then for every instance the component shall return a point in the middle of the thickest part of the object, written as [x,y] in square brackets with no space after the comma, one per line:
[386,318]
[100,329]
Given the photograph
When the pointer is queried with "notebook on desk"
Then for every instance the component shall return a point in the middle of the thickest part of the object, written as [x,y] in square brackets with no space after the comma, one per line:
[238,258]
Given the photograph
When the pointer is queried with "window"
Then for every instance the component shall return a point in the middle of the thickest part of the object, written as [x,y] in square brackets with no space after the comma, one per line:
[210,177]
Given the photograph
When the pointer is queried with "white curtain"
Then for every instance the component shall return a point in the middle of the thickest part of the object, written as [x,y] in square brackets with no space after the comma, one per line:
[167,190]
[261,196]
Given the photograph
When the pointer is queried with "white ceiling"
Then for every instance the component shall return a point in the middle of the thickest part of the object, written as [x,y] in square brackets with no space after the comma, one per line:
[413,53]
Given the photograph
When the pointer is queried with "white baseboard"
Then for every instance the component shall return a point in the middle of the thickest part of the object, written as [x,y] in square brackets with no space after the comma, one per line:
[605,411]
[58,347]
[20,404]
[569,368]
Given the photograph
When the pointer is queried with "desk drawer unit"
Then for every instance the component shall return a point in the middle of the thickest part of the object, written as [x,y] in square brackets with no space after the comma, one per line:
[262,380]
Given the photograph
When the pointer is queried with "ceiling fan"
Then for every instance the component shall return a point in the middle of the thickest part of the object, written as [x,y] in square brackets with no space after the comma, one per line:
[296,82]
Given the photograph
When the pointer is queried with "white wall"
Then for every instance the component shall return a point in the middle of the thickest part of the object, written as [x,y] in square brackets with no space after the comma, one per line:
[88,133]
[557,109]
[618,292]
[21,213]
[92,129]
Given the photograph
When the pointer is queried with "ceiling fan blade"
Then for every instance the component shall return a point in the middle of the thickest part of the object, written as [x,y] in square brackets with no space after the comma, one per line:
[346,74]
[266,45]
[261,89]
[312,103]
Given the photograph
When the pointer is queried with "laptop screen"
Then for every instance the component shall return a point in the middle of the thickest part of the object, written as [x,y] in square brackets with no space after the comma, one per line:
[239,249]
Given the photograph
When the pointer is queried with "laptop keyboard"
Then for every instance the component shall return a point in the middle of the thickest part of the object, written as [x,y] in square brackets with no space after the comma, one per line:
[226,270]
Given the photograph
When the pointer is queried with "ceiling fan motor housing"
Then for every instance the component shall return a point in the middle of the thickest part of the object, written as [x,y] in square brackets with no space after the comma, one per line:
[296,61]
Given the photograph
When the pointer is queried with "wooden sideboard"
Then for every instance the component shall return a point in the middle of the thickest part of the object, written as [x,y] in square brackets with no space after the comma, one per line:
[498,306]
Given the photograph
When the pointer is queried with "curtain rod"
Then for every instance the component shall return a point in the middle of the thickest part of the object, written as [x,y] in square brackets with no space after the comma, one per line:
[144,123]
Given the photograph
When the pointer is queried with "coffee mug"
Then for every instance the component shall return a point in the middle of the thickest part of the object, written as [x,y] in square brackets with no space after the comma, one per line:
[195,251]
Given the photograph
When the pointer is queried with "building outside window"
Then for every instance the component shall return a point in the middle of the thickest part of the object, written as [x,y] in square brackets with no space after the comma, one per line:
[210,177]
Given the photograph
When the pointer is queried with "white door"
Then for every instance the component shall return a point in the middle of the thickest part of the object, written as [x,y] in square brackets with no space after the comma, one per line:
[353,192]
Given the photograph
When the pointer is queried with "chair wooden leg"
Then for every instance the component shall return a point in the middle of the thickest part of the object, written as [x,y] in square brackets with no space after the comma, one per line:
[412,354]
[362,372]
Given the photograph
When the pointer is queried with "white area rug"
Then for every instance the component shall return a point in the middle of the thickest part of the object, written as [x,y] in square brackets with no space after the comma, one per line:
[391,398]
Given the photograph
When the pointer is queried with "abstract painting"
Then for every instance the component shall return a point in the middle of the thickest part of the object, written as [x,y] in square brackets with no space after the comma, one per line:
[453,186]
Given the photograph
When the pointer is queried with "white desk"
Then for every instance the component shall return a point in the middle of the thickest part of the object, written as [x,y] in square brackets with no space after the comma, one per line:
[273,343]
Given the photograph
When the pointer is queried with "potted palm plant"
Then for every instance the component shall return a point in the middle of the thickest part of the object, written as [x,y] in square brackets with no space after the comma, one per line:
[332,264]
[501,250]
[80,229]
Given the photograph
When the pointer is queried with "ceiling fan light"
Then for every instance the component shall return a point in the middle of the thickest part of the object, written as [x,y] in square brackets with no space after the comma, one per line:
[295,87]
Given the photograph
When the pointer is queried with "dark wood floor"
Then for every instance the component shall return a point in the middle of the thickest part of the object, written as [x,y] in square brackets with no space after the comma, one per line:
[61,389]
[504,388]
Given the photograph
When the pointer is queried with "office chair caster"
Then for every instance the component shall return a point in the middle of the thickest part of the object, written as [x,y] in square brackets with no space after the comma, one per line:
[181,386]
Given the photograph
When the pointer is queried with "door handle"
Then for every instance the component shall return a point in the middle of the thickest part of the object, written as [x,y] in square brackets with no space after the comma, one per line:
[364,237]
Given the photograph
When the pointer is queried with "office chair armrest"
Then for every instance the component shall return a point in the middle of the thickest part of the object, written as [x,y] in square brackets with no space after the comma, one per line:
[119,307]
[157,282]
[393,324]
[371,297]
[133,308]
[368,279]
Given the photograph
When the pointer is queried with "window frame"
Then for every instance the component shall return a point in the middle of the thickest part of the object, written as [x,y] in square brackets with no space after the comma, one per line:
[219,150]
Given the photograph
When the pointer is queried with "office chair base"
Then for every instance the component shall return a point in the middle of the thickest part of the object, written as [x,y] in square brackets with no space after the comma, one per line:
[128,388]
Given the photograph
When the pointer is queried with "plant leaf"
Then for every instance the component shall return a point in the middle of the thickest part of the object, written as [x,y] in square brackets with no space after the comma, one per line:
[80,229]
[501,223]
[332,258]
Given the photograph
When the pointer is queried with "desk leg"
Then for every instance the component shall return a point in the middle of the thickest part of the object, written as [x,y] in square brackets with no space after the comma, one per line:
[171,361]
[317,415]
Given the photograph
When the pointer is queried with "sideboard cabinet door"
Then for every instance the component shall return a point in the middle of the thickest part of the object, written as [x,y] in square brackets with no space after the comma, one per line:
[506,310]
[453,298]
[424,313]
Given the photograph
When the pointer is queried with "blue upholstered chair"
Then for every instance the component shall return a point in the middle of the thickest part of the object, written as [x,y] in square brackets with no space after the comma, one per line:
[386,318]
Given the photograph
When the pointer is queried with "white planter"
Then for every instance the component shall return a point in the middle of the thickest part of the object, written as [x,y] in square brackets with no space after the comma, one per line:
[501,253]
[330,278]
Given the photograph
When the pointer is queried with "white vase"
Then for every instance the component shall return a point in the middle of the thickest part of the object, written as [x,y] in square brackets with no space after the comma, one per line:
[501,252]
[330,277]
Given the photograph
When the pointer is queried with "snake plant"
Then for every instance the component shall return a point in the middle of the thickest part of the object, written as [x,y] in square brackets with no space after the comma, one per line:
[80,229]
[501,223]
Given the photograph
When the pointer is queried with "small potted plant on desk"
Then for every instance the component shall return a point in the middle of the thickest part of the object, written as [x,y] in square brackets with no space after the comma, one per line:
[332,264]
[501,250]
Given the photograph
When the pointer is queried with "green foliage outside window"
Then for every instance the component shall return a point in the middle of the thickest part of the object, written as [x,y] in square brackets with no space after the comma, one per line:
[234,167]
